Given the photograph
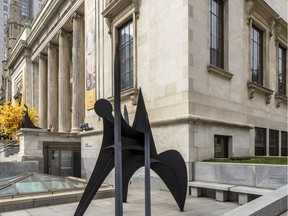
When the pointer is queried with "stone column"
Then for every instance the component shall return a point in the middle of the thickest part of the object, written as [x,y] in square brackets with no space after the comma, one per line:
[78,86]
[35,98]
[52,117]
[42,109]
[28,79]
[64,83]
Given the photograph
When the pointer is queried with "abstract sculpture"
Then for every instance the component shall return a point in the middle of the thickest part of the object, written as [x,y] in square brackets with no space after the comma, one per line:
[169,165]
[127,149]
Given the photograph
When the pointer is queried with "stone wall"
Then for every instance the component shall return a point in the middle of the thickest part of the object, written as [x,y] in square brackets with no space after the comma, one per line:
[254,175]
[8,169]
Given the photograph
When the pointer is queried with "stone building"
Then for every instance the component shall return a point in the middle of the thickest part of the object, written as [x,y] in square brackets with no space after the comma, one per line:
[213,74]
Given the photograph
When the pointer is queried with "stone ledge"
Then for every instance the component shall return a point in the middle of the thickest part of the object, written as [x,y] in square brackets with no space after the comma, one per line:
[255,87]
[280,98]
[219,72]
[198,119]
[271,204]
[131,94]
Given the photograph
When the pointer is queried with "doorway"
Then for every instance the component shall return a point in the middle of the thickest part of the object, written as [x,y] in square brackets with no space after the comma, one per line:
[62,159]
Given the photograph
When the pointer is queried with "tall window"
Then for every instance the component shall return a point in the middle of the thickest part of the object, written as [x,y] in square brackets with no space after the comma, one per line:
[260,141]
[273,143]
[284,145]
[126,55]
[257,55]
[216,33]
[282,70]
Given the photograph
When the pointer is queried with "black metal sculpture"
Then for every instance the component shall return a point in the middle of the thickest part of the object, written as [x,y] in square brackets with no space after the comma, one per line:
[26,121]
[127,149]
[169,165]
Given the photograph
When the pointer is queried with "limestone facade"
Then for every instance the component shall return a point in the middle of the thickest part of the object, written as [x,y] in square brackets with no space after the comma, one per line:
[192,104]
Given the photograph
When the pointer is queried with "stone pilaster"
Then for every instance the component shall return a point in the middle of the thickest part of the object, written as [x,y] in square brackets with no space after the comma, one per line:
[42,109]
[52,116]
[64,83]
[78,86]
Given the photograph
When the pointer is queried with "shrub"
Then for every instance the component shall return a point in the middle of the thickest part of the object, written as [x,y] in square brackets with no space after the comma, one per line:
[11,117]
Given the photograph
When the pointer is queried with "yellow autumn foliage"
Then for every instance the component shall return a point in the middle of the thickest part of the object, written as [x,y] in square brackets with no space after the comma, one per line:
[11,117]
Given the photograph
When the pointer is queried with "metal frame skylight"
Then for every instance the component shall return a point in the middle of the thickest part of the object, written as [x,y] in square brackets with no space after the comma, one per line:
[31,183]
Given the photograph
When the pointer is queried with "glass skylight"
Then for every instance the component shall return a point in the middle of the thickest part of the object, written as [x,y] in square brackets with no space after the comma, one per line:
[37,182]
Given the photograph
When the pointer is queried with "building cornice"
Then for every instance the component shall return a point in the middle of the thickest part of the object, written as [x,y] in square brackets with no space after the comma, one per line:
[16,52]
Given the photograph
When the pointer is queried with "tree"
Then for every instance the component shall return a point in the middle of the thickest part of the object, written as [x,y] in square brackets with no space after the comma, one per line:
[11,117]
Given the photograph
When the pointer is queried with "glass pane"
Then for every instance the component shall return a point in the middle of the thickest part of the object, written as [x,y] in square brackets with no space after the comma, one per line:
[7,191]
[57,185]
[66,163]
[30,184]
[55,160]
[48,178]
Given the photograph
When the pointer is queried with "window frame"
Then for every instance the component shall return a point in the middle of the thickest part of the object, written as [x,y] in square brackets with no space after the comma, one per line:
[126,86]
[260,48]
[219,34]
[129,13]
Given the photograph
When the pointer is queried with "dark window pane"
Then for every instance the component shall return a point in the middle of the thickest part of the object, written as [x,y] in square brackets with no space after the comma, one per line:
[284,138]
[273,143]
[282,70]
[260,142]
[221,146]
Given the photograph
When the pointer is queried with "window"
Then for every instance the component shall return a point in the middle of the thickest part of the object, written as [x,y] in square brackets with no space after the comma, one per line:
[273,143]
[257,55]
[260,141]
[221,144]
[284,149]
[5,8]
[216,33]
[282,70]
[125,34]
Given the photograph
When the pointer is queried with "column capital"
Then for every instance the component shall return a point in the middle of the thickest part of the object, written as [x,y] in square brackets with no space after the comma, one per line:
[63,33]
[52,46]
[42,56]
[77,16]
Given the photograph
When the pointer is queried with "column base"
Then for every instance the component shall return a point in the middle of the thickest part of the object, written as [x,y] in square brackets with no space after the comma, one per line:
[76,130]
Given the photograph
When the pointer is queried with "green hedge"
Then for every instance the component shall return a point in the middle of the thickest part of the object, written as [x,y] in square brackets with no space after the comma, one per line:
[254,160]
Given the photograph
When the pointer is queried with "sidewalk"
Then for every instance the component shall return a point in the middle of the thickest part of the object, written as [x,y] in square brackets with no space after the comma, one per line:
[162,204]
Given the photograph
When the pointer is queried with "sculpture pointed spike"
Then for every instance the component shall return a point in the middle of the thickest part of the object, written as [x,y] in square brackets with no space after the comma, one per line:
[126,117]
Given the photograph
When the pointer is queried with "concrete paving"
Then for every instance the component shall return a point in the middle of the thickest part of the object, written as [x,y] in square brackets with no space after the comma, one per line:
[162,204]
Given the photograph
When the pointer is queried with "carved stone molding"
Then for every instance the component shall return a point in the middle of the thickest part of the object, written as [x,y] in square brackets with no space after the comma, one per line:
[277,31]
[254,87]
[249,9]
[117,6]
[280,99]
[271,24]
[219,72]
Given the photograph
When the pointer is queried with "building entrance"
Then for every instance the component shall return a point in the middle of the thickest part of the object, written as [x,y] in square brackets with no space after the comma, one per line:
[62,159]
